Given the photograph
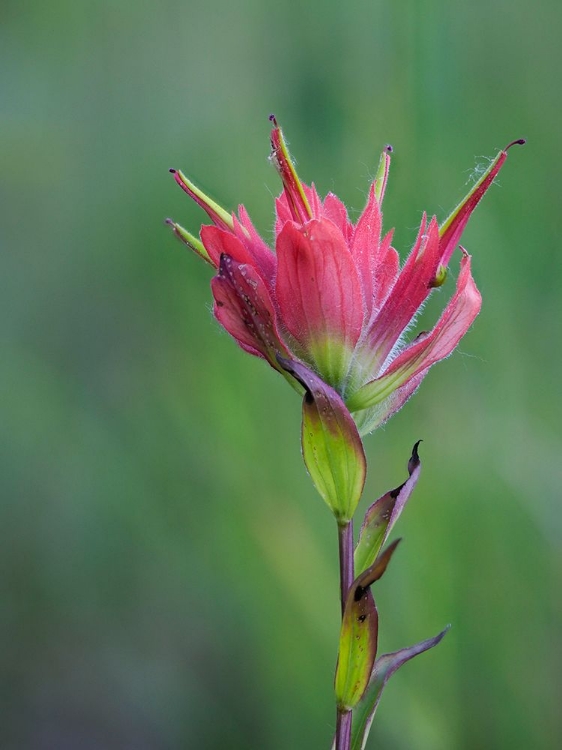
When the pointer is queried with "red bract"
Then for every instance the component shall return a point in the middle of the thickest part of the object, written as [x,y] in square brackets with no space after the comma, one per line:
[332,296]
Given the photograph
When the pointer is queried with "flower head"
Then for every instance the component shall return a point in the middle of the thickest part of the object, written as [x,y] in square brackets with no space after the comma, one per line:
[332,296]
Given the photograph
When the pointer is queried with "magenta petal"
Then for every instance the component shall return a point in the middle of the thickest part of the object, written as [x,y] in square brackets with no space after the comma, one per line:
[219,242]
[426,350]
[453,227]
[318,289]
[244,308]
[295,193]
[335,210]
[366,246]
[282,213]
[314,200]
[451,327]
[264,259]
[387,271]
[408,293]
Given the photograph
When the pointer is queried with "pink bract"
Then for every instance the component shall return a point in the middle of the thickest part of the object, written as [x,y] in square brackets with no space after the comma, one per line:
[332,296]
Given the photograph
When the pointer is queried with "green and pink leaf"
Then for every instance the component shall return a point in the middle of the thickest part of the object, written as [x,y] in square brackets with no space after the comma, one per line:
[385,667]
[331,446]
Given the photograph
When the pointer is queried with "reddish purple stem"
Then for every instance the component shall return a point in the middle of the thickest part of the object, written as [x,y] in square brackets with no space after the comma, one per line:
[345,539]
[343,731]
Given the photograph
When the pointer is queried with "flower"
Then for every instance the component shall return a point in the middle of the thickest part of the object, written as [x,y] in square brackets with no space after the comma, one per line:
[332,297]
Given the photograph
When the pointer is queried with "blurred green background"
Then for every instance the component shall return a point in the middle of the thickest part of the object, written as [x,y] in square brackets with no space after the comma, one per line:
[168,576]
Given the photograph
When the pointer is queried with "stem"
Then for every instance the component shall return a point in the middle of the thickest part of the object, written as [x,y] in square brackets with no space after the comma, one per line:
[343,730]
[345,539]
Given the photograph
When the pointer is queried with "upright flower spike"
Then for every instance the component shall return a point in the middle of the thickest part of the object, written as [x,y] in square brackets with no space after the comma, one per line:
[328,308]
[332,296]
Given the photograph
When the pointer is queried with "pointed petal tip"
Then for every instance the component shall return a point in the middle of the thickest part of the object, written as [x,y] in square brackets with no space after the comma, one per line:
[295,191]
[439,637]
[518,142]
[392,546]
[415,457]
[376,571]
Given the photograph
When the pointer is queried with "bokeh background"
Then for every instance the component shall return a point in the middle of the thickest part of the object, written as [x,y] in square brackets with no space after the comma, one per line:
[168,576]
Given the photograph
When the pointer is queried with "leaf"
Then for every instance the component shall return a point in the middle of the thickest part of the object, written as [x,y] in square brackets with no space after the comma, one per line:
[359,635]
[382,515]
[331,446]
[385,667]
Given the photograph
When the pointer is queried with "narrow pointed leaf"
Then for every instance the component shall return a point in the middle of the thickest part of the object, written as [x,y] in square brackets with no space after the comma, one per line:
[358,649]
[359,635]
[385,667]
[331,446]
[381,516]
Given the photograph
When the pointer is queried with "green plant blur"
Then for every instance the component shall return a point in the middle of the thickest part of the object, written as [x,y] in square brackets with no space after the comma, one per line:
[169,573]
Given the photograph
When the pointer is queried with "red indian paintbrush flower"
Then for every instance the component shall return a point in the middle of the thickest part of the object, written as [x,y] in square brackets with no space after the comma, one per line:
[332,297]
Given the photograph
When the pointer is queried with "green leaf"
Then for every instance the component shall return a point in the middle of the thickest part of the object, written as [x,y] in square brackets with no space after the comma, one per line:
[385,667]
[382,515]
[331,446]
[359,635]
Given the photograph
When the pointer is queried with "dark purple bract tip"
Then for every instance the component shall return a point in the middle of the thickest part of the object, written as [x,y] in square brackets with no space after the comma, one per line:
[388,148]
[518,142]
[169,221]
[273,119]
[172,170]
